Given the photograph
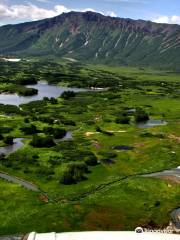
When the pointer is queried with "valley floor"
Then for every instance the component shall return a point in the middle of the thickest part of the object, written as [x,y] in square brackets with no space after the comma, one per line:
[108,154]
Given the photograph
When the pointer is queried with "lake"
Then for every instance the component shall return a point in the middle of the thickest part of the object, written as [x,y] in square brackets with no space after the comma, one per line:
[44,90]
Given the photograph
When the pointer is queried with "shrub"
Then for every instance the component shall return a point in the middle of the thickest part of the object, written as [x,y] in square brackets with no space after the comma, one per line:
[29,129]
[22,91]
[68,122]
[2,157]
[5,129]
[68,94]
[41,142]
[26,120]
[48,130]
[98,129]
[108,154]
[59,133]
[9,109]
[8,140]
[73,173]
[141,115]
[44,171]
[55,160]
[122,120]
[91,160]
[26,80]
[53,100]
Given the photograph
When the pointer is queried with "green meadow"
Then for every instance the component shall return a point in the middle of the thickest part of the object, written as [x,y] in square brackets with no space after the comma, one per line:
[94,180]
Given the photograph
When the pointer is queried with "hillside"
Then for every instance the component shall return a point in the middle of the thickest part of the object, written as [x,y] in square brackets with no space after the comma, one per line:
[96,38]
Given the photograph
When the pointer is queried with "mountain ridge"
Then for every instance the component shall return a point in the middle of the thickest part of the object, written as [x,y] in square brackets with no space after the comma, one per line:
[93,37]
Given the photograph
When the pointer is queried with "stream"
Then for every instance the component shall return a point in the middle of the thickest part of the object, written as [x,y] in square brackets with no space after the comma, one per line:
[12,148]
[19,181]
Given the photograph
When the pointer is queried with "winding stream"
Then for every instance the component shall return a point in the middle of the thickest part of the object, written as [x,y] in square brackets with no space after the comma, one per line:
[19,181]
[166,173]
[12,148]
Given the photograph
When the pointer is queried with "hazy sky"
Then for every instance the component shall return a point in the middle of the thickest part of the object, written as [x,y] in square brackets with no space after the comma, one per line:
[15,11]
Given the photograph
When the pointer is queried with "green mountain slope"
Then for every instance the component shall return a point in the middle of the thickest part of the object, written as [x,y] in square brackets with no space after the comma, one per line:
[96,38]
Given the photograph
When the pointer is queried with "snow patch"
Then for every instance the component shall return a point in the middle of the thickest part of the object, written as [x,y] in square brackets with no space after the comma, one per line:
[107,54]
[57,39]
[117,42]
[70,59]
[12,59]
[86,43]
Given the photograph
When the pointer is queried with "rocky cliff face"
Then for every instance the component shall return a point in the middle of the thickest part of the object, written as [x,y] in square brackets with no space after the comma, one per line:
[96,38]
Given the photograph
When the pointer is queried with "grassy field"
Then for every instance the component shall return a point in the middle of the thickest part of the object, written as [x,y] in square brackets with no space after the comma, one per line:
[111,195]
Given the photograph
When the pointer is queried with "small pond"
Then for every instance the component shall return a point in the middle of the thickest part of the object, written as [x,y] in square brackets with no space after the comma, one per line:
[67,137]
[151,123]
[123,147]
[107,161]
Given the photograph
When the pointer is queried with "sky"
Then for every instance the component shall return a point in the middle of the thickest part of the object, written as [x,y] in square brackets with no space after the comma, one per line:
[162,11]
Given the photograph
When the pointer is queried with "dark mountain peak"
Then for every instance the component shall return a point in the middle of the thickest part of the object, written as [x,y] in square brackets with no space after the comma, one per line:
[91,36]
[87,16]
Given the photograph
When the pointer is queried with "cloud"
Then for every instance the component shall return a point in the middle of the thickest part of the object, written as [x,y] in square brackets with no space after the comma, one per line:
[43,1]
[31,12]
[126,1]
[111,14]
[168,19]
[24,12]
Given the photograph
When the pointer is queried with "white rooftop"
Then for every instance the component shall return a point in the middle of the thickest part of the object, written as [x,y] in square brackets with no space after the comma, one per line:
[104,236]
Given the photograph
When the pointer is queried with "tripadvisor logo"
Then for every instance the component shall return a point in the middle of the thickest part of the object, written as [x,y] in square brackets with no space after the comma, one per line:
[142,230]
